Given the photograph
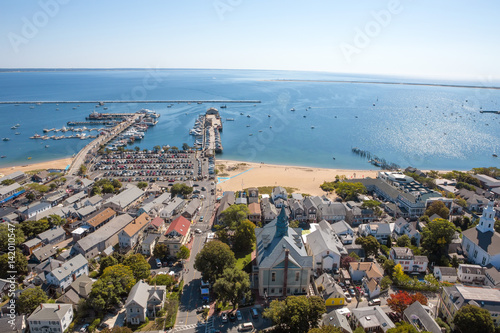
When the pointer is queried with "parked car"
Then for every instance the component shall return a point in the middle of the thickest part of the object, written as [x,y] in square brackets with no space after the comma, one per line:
[224,317]
[347,297]
[232,316]
[84,328]
[238,315]
[198,231]
[202,308]
[352,292]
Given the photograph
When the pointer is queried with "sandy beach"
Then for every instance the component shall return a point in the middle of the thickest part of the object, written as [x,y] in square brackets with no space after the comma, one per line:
[55,164]
[304,179]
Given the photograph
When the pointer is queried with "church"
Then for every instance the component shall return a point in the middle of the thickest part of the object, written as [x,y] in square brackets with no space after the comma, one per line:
[481,244]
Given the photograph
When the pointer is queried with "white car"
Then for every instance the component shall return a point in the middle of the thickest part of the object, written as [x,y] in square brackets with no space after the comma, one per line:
[347,297]
[198,231]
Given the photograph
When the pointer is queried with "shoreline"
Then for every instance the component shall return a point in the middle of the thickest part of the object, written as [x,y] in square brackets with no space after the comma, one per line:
[53,164]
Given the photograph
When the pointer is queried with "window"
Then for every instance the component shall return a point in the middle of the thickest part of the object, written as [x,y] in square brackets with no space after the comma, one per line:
[297,276]
[475,254]
[468,247]
[484,261]
[273,276]
[272,290]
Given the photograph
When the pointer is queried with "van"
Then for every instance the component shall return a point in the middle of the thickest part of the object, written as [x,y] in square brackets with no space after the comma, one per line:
[245,327]
[158,263]
[255,313]
[375,301]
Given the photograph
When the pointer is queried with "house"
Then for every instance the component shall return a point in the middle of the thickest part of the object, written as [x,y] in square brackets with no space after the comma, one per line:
[487,182]
[17,324]
[255,213]
[359,270]
[62,276]
[32,211]
[279,192]
[453,298]
[133,233]
[155,206]
[371,319]
[297,210]
[52,236]
[144,301]
[336,319]
[471,273]
[253,195]
[50,317]
[157,225]
[41,177]
[241,201]
[173,207]
[481,245]
[148,244]
[325,246]
[404,227]
[409,262]
[74,199]
[268,209]
[310,209]
[8,214]
[331,212]
[419,318]
[227,200]
[31,245]
[43,253]
[331,292]
[492,277]
[99,218]
[10,192]
[356,214]
[177,235]
[381,231]
[80,288]
[344,231]
[17,176]
[123,200]
[371,287]
[475,202]
[191,209]
[448,274]
[92,245]
[282,265]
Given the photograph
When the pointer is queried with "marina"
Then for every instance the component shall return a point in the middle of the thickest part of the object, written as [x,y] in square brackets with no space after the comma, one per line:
[207,130]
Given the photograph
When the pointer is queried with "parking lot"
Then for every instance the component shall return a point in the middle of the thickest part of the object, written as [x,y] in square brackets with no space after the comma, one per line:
[231,325]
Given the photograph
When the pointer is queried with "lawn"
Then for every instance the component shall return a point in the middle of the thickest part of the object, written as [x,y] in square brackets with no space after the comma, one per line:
[243,260]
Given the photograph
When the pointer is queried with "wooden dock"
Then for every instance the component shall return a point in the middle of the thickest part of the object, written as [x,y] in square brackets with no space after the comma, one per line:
[133,102]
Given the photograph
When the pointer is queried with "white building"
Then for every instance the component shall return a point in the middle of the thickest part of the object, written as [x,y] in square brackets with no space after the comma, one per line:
[409,262]
[50,317]
[66,273]
[471,273]
[481,244]
[325,246]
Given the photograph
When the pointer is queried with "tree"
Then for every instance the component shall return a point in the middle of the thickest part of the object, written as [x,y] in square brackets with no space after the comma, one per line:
[439,208]
[20,264]
[108,188]
[106,262]
[142,185]
[473,319]
[436,236]
[82,170]
[294,224]
[56,221]
[385,282]
[328,186]
[402,299]
[296,313]
[30,196]
[115,282]
[156,148]
[30,299]
[403,327]
[369,244]
[454,261]
[388,267]
[164,280]
[346,260]
[160,250]
[233,286]
[244,237]
[403,241]
[5,230]
[183,253]
[234,215]
[359,329]
[399,277]
[7,182]
[139,266]
[137,148]
[349,191]
[325,329]
[213,259]
[180,188]
[461,202]
[33,228]
[370,204]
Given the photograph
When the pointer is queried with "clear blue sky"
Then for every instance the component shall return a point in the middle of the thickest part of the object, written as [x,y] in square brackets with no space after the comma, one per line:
[442,39]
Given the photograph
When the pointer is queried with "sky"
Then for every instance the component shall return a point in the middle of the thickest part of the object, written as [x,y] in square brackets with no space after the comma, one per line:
[436,39]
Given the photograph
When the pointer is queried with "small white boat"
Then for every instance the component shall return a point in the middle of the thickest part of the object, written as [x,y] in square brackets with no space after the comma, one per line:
[292,109]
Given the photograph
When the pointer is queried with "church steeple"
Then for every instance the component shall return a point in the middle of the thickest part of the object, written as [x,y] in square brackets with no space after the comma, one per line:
[282,224]
[487,220]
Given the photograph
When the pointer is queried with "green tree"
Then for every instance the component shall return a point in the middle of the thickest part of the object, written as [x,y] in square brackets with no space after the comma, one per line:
[385,282]
[56,221]
[33,228]
[233,286]
[234,215]
[359,329]
[82,170]
[296,313]
[139,266]
[7,182]
[156,148]
[328,186]
[30,196]
[4,235]
[389,267]
[473,319]
[399,277]
[30,299]
[160,250]
[213,259]
[106,262]
[108,188]
[244,236]
[294,224]
[116,184]
[164,280]
[369,244]
[370,204]
[439,208]
[436,237]
[404,327]
[183,253]
[115,282]
[142,185]
[454,262]
[180,188]
[325,329]
[349,191]
[20,264]
[403,241]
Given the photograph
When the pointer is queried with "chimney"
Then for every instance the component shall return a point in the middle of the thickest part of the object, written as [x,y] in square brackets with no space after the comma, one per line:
[285,272]
[41,306]
[59,307]
[60,264]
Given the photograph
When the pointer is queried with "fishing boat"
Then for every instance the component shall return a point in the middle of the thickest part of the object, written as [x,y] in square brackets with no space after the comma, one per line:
[248,116]
[6,139]
[292,109]
[223,106]
[495,155]
[17,133]
[241,113]
[47,146]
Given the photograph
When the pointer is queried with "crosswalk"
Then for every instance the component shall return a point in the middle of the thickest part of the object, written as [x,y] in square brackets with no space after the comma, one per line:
[181,328]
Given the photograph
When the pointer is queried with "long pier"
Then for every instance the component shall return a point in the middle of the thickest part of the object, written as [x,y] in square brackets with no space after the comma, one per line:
[132,101]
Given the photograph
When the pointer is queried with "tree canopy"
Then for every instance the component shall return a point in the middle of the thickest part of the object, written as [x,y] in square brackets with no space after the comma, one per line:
[439,208]
[180,188]
[436,236]
[20,264]
[369,244]
[139,266]
[244,236]
[325,329]
[473,319]
[213,259]
[4,235]
[402,299]
[233,286]
[234,215]
[296,313]
[404,327]
[30,299]
[403,241]
[349,191]
[106,262]
[183,252]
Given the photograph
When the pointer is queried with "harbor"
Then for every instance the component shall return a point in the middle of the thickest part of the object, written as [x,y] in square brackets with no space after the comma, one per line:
[100,103]
[207,130]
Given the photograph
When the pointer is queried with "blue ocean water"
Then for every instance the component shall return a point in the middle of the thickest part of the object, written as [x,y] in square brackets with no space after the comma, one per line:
[428,127]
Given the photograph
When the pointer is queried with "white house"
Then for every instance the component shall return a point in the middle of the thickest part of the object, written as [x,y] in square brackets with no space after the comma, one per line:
[411,263]
[50,317]
[148,245]
[144,300]
[325,246]
[471,273]
[66,273]
[344,231]
[481,244]
[448,274]
[381,231]
[133,233]
[279,192]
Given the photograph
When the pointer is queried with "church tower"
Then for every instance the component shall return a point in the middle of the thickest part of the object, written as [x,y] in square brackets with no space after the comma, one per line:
[282,224]
[487,220]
